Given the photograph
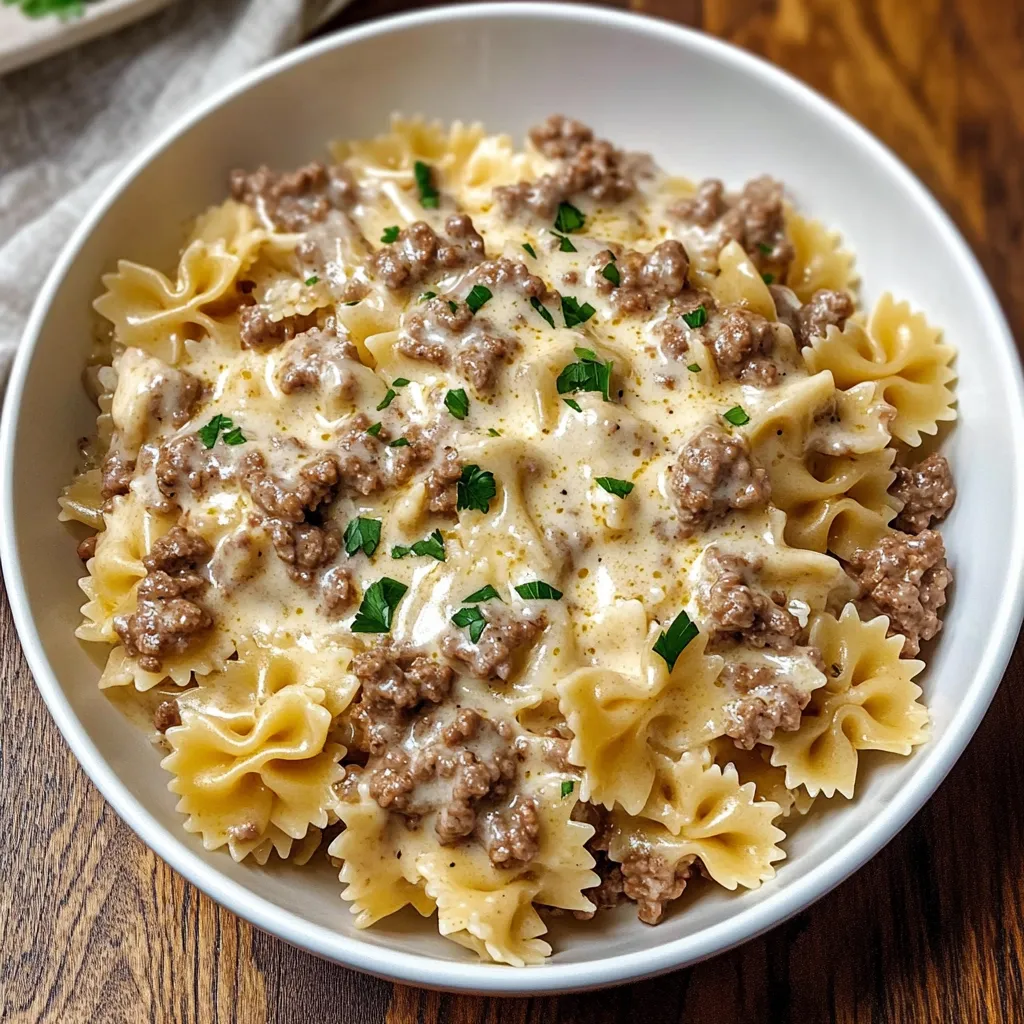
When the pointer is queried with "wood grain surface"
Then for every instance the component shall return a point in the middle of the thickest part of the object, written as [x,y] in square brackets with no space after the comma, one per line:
[94,928]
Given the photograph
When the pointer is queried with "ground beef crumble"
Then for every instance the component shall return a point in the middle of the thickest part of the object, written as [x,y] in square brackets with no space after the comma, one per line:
[652,882]
[418,252]
[715,472]
[644,278]
[257,330]
[825,309]
[116,474]
[442,484]
[505,634]
[766,702]
[316,482]
[166,715]
[743,345]
[927,492]
[295,200]
[319,360]
[904,578]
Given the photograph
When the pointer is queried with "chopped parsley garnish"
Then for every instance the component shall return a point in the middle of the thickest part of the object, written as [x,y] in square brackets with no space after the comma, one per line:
[529,248]
[736,416]
[694,367]
[673,641]
[374,431]
[453,306]
[234,436]
[696,317]
[429,196]
[432,546]
[390,235]
[565,245]
[573,404]
[620,488]
[586,353]
[354,302]
[472,617]
[362,535]
[378,606]
[479,294]
[400,382]
[574,313]
[543,310]
[765,248]
[569,219]
[388,398]
[611,273]
[311,280]
[767,278]
[485,593]
[399,442]
[457,403]
[567,787]
[587,375]
[427,295]
[538,590]
[493,432]
[475,489]
[208,434]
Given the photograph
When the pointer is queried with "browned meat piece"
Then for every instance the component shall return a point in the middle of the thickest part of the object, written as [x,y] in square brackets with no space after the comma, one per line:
[904,578]
[418,252]
[442,490]
[404,461]
[337,590]
[87,548]
[742,344]
[608,892]
[505,273]
[177,551]
[927,492]
[644,278]
[767,702]
[166,716]
[401,677]
[257,330]
[652,883]
[706,206]
[304,548]
[505,633]
[295,200]
[317,481]
[510,835]
[319,360]
[183,461]
[559,137]
[826,309]
[737,608]
[715,473]
[673,330]
[117,474]
[481,358]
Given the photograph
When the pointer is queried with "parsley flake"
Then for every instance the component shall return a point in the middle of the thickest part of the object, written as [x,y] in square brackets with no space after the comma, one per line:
[453,306]
[400,382]
[569,219]
[472,617]
[388,398]
[736,416]
[543,310]
[538,590]
[586,353]
[208,434]
[485,593]
[457,403]
[377,609]
[390,235]
[234,437]
[765,248]
[564,244]
[530,249]
[493,432]
[429,196]
[574,313]
[611,273]
[573,404]
[475,489]
[432,546]
[587,375]
[399,442]
[673,641]
[374,431]
[427,295]
[767,278]
[400,551]
[478,295]
[567,787]
[310,281]
[696,317]
[694,367]
[620,488]
[362,535]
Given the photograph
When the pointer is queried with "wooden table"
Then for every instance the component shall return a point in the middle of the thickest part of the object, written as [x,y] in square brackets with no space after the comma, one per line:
[94,928]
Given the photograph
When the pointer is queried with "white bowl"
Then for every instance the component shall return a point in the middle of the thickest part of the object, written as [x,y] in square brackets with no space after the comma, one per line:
[703,108]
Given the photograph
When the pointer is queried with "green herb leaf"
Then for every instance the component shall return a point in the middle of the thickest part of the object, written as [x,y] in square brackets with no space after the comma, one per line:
[586,375]
[453,306]
[567,787]
[573,404]
[399,442]
[587,354]
[767,278]
[611,273]
[427,295]
[493,432]
[696,317]
[234,437]
[472,617]
[429,196]
[208,434]
[485,593]
[694,367]
[388,398]
[538,590]
[311,280]
[529,248]
[672,642]
[564,245]
[432,546]
[569,219]
[354,302]
[400,551]
[765,248]
[620,488]
[736,416]
[390,235]
[377,609]
[574,313]
[478,295]
[362,535]
[475,489]
[543,310]
[457,403]
[400,382]
[374,431]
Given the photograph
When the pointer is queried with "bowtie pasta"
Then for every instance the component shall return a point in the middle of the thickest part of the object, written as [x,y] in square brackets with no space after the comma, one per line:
[530,531]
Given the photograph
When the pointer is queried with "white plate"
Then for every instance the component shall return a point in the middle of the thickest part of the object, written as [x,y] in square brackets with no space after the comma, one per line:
[702,108]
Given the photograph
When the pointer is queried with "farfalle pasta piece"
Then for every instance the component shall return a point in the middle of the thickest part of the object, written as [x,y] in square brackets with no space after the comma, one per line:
[870,702]
[233,225]
[240,769]
[738,282]
[905,356]
[819,261]
[81,501]
[754,766]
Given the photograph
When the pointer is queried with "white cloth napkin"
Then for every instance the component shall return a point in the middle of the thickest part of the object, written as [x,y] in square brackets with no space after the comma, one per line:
[68,123]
